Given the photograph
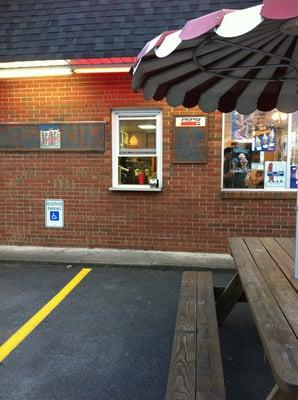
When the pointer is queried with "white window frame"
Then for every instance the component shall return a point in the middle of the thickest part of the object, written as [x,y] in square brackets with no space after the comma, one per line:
[290,134]
[131,114]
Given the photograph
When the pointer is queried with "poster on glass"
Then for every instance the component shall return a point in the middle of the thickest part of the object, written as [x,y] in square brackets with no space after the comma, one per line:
[275,174]
[294,177]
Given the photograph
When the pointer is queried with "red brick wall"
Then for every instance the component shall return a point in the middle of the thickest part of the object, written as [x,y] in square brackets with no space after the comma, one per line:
[190,214]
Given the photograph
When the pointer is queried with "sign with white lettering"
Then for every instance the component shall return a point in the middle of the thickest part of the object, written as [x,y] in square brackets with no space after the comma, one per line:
[54,213]
[186,122]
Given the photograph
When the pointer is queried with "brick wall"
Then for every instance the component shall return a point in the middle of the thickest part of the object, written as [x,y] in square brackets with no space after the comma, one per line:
[190,214]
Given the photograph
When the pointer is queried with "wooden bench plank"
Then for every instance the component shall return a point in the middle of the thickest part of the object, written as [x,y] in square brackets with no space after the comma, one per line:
[182,377]
[279,341]
[282,258]
[209,379]
[196,370]
[284,294]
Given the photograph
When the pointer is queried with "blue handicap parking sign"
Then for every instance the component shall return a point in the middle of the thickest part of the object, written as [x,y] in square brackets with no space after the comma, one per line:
[54,215]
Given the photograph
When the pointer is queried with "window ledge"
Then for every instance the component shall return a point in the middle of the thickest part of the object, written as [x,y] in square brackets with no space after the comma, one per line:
[258,194]
[145,189]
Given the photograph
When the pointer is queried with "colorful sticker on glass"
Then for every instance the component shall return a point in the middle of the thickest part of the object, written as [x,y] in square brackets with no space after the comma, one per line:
[265,138]
[275,174]
[294,177]
[50,137]
[242,127]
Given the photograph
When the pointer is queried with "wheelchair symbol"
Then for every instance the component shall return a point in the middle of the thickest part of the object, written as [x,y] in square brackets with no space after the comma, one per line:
[54,215]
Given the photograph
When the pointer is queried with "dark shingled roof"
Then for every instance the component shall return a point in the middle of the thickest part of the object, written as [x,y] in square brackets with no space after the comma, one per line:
[73,29]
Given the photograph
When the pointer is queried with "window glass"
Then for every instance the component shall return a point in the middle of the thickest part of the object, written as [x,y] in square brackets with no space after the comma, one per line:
[260,150]
[137,136]
[137,170]
[137,149]
[294,152]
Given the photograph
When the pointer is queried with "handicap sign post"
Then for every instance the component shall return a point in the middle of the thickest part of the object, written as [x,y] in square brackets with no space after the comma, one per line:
[54,213]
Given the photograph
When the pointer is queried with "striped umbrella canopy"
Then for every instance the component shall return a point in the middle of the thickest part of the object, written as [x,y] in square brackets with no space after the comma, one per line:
[228,60]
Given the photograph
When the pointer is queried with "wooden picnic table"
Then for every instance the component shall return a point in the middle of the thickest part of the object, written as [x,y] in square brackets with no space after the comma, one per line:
[265,273]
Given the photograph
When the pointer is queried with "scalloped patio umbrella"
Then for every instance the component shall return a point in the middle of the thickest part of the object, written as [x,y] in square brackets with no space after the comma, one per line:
[242,60]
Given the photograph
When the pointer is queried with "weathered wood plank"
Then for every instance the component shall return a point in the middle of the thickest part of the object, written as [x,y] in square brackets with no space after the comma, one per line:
[282,291]
[182,373]
[277,394]
[196,369]
[282,259]
[228,299]
[288,245]
[210,379]
[279,341]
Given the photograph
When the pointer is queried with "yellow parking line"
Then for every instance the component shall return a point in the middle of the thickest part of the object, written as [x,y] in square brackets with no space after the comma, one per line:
[34,321]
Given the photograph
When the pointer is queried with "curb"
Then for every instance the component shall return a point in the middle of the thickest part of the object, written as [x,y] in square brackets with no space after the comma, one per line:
[117,258]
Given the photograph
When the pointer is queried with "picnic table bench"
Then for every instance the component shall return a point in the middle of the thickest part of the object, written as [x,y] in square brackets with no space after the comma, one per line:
[265,272]
[196,367]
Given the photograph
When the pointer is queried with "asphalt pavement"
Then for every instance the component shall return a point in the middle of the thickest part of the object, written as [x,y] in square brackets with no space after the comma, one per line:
[111,337]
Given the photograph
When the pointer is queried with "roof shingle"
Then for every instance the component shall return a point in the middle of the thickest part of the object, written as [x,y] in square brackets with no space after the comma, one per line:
[64,29]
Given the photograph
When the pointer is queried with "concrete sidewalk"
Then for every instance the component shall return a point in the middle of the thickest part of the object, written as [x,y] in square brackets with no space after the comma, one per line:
[116,257]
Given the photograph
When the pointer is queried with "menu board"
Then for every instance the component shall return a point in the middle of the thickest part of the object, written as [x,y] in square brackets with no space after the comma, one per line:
[190,140]
[60,136]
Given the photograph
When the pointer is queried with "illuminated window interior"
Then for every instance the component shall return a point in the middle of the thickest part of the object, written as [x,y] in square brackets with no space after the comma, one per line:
[260,151]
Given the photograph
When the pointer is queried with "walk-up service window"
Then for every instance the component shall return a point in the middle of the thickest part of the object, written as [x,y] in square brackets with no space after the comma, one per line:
[260,151]
[137,149]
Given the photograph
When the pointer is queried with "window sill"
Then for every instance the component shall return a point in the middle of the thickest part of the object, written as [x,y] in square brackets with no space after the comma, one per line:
[258,194]
[141,189]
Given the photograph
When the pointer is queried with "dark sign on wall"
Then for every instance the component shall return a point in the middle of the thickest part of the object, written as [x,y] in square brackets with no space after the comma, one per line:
[190,140]
[60,136]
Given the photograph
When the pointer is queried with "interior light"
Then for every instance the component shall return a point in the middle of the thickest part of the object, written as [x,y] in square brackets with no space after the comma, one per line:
[149,127]
[133,141]
[103,69]
[279,116]
[34,72]
[283,116]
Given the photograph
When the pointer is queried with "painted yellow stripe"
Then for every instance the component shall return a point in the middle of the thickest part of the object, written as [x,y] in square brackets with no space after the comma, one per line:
[33,322]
